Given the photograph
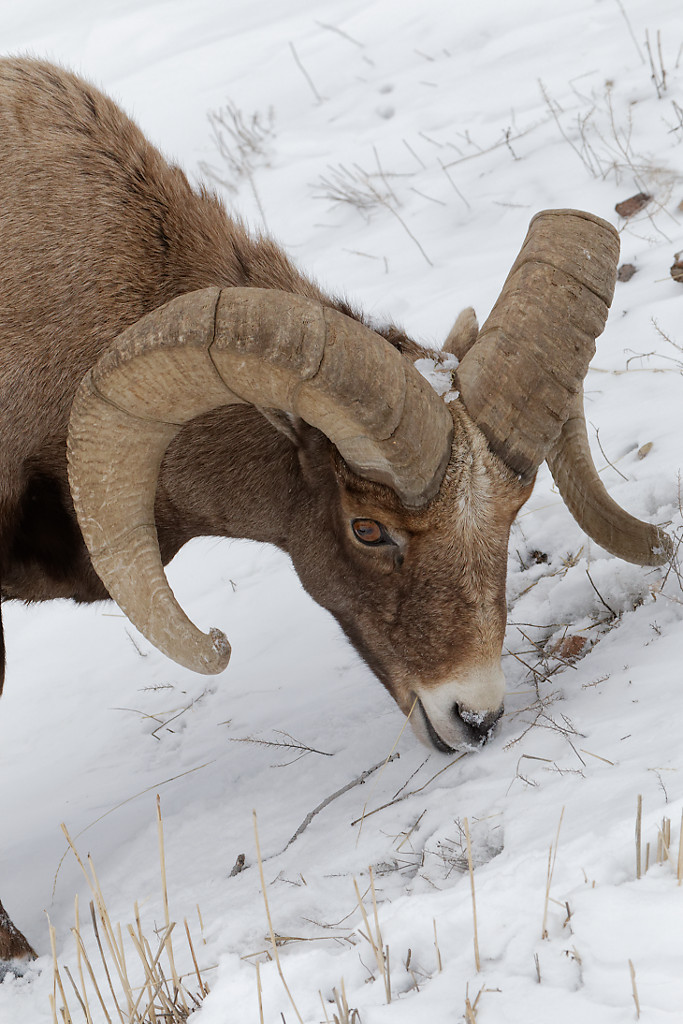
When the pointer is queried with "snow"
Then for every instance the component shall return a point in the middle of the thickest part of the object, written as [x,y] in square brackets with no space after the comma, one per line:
[445,127]
[439,373]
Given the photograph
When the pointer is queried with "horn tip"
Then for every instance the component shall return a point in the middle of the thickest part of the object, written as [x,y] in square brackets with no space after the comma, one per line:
[221,650]
[662,550]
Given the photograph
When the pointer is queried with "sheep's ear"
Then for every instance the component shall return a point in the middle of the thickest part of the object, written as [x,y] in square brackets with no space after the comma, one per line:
[462,334]
[284,423]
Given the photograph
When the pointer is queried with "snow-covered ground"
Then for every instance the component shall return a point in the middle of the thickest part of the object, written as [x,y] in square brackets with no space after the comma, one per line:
[442,127]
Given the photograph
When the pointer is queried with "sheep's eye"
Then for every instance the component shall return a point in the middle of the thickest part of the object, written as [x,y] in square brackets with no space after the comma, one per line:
[367,531]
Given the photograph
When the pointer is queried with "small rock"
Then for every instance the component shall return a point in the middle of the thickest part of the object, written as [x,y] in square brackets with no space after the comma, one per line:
[677,271]
[630,207]
[626,272]
[239,866]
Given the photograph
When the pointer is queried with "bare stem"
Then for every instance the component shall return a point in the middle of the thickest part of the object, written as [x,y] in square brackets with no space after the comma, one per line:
[477,961]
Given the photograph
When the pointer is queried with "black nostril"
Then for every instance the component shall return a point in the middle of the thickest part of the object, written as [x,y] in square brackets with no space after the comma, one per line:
[480,722]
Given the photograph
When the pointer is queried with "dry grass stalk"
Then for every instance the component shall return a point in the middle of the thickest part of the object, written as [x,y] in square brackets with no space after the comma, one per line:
[663,850]
[590,753]
[57,984]
[344,1014]
[634,988]
[304,72]
[639,834]
[164,891]
[160,999]
[201,924]
[357,189]
[79,957]
[385,949]
[664,841]
[375,938]
[260,992]
[436,947]
[471,1008]
[202,986]
[275,953]
[474,899]
[241,144]
[322,1003]
[657,74]
[630,29]
[552,857]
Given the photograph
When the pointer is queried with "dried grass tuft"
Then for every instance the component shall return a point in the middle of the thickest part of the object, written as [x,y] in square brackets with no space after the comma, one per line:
[344,1014]
[131,981]
[374,937]
[663,850]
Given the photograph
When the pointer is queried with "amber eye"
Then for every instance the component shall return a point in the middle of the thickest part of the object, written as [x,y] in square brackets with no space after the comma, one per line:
[367,531]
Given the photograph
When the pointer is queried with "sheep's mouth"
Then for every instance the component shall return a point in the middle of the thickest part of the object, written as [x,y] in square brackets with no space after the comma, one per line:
[434,737]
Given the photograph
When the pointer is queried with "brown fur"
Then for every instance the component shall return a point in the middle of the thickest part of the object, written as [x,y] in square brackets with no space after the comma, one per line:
[97,230]
[13,945]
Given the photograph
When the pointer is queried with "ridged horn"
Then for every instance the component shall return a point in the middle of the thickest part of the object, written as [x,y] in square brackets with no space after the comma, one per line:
[519,379]
[214,348]
[522,380]
[598,515]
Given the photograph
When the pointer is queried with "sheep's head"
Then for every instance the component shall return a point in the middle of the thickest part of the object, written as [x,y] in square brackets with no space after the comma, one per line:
[426,489]
[419,592]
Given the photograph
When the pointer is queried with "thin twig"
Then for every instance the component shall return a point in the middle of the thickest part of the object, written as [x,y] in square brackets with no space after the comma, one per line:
[383,176]
[597,438]
[116,807]
[455,188]
[403,224]
[630,29]
[340,792]
[611,610]
[393,748]
[293,745]
[413,153]
[413,792]
[340,32]
[489,149]
[305,73]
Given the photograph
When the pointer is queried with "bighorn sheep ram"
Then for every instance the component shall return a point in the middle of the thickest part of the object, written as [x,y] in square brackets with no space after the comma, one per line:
[202,386]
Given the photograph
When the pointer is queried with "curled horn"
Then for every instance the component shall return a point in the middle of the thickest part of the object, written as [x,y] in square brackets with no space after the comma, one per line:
[519,379]
[598,515]
[219,347]
[522,380]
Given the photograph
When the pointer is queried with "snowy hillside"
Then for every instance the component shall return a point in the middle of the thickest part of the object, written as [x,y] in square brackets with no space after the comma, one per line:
[398,152]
